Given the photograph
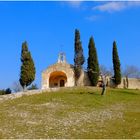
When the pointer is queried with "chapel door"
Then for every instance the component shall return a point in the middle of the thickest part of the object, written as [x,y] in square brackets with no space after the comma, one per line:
[62,83]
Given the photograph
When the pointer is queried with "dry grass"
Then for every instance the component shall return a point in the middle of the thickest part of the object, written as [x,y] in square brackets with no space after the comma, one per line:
[72,113]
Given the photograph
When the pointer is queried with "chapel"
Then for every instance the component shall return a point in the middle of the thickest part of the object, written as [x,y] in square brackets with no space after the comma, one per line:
[61,74]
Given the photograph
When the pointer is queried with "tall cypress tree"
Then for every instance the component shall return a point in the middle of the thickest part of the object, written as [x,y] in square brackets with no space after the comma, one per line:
[78,57]
[93,65]
[116,65]
[27,74]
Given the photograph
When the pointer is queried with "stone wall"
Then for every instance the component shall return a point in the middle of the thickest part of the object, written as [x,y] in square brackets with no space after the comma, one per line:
[25,93]
[83,79]
[18,95]
[133,83]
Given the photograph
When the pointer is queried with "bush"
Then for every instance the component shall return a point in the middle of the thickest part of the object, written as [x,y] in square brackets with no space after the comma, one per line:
[7,91]
[2,92]
[32,87]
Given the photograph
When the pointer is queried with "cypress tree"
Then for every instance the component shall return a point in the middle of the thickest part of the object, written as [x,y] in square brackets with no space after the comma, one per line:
[27,73]
[116,65]
[93,65]
[78,57]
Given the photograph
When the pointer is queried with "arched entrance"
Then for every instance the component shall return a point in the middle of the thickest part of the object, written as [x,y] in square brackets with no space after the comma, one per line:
[57,79]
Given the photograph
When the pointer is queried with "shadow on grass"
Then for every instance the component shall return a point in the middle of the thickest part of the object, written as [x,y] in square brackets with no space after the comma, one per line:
[88,92]
[130,93]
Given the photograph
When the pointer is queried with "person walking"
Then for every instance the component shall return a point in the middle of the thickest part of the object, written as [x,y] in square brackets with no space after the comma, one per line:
[103,84]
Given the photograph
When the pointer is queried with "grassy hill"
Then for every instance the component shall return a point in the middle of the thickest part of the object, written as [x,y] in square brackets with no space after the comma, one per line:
[72,113]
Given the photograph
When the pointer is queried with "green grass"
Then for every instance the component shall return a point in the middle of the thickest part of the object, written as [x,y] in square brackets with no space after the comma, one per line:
[72,113]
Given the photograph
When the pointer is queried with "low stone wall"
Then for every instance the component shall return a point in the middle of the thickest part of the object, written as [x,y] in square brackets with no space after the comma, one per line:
[131,83]
[20,94]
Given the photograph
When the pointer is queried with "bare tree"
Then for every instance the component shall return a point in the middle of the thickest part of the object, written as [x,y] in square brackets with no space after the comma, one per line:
[131,71]
[105,71]
[16,87]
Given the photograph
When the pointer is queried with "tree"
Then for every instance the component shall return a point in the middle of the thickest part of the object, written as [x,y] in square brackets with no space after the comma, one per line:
[78,56]
[105,71]
[116,65]
[93,65]
[131,71]
[27,74]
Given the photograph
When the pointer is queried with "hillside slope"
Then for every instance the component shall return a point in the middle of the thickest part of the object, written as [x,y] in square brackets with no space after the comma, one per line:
[72,113]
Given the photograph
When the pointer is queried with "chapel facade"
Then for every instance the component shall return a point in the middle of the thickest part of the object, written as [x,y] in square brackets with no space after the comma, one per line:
[60,74]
